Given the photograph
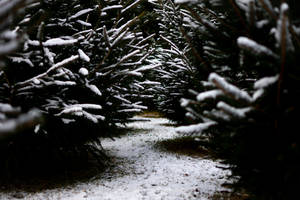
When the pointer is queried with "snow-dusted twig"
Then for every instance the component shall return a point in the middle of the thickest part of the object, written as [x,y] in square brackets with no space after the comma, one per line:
[53,42]
[258,49]
[135,3]
[54,67]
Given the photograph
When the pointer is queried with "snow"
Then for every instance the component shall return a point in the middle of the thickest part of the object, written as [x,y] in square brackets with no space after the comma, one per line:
[212,94]
[126,57]
[49,55]
[260,24]
[112,7]
[195,128]
[184,102]
[73,109]
[61,83]
[228,88]
[139,106]
[185,1]
[145,39]
[106,36]
[20,60]
[282,33]
[36,81]
[53,42]
[33,5]
[123,27]
[284,7]
[120,37]
[261,84]
[83,56]
[84,23]
[59,42]
[8,47]
[244,4]
[90,117]
[62,63]
[54,67]
[147,82]
[89,106]
[80,13]
[130,6]
[7,108]
[235,112]
[257,94]
[83,71]
[252,46]
[265,82]
[143,172]
[130,110]
[147,67]
[94,89]
[7,6]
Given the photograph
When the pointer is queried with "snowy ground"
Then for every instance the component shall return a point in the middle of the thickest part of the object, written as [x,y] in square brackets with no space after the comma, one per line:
[144,172]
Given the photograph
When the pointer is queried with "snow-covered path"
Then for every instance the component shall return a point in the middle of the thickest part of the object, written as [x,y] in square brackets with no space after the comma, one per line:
[144,172]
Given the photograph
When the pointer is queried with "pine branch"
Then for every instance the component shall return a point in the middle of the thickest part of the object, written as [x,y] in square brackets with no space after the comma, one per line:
[205,63]
[54,67]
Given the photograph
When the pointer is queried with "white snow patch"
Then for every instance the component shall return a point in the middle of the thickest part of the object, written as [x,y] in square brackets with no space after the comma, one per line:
[59,42]
[112,7]
[265,82]
[80,13]
[254,47]
[212,94]
[83,71]
[94,89]
[84,23]
[185,1]
[83,56]
[235,112]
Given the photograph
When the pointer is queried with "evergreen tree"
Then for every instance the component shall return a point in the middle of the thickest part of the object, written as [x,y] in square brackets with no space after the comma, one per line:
[11,118]
[175,71]
[79,65]
[249,106]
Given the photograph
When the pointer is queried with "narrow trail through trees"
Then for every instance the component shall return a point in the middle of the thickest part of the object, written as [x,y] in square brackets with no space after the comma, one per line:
[142,171]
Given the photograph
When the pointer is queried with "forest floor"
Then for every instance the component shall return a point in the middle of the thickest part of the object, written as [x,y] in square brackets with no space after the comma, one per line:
[144,167]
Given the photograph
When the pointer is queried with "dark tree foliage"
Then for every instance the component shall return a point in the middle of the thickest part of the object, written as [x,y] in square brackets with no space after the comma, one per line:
[81,64]
[246,53]
[175,72]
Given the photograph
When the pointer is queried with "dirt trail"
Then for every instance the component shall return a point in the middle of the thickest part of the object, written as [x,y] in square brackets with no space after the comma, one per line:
[143,172]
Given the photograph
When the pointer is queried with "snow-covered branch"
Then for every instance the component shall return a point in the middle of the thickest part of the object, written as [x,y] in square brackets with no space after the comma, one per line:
[229,89]
[54,67]
[195,129]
